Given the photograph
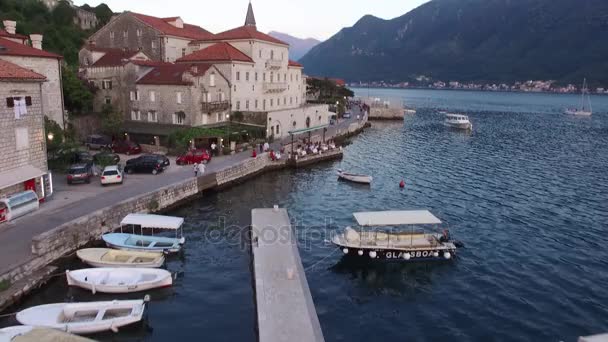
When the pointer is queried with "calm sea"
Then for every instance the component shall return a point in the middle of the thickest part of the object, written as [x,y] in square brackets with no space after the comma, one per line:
[526,191]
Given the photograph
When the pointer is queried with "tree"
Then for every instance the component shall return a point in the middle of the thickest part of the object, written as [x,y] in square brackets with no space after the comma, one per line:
[63,14]
[77,95]
[111,120]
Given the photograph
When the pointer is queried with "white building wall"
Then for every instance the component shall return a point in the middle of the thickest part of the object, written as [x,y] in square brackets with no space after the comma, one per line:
[175,48]
[52,98]
[295,118]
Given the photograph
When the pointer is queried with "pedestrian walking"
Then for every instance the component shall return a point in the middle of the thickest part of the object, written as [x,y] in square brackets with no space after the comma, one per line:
[201,169]
[195,169]
[266,146]
[261,148]
[213,147]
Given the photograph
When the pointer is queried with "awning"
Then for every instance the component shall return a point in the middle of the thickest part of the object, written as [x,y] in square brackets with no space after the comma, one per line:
[19,175]
[395,218]
[153,221]
[306,130]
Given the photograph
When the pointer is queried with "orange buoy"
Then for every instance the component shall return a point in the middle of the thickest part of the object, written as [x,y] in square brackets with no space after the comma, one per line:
[402,184]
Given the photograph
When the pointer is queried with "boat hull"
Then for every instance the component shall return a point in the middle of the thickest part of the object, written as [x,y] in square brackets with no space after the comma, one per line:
[139,243]
[84,318]
[119,280]
[95,258]
[401,255]
[463,126]
[360,179]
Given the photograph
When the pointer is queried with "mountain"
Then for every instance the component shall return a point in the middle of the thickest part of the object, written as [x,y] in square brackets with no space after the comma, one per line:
[472,40]
[297,47]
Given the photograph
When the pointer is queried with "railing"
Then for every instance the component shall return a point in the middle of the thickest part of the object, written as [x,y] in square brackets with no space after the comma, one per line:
[274,87]
[218,106]
[274,63]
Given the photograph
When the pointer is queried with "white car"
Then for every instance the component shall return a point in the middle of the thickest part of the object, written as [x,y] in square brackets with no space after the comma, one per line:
[112,175]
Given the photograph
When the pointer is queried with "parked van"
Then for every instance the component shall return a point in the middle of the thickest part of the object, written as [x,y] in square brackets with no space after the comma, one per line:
[98,142]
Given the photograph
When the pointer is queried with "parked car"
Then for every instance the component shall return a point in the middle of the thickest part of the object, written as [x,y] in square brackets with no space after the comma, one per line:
[106,158]
[126,147]
[145,164]
[346,115]
[80,173]
[98,142]
[194,156]
[112,175]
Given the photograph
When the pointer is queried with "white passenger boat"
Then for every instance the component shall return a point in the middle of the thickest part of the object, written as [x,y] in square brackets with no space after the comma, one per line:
[85,318]
[26,333]
[458,121]
[352,177]
[585,107]
[409,111]
[147,243]
[392,243]
[119,280]
[106,257]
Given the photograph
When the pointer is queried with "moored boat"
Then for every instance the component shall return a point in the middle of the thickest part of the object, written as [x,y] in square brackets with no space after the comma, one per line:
[119,280]
[106,257]
[84,318]
[409,111]
[149,243]
[394,244]
[458,121]
[353,177]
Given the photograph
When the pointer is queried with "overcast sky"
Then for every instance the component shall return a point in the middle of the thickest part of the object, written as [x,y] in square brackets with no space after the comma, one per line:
[319,19]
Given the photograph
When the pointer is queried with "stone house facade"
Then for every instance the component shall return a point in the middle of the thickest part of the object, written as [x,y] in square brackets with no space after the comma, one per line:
[43,62]
[186,95]
[23,164]
[162,39]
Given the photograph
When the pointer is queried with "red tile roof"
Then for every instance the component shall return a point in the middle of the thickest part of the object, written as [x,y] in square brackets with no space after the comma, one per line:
[219,52]
[162,24]
[172,74]
[294,64]
[10,48]
[10,71]
[113,57]
[3,33]
[246,32]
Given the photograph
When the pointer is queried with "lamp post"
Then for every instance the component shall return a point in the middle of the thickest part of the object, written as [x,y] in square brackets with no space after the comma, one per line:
[50,136]
[228,118]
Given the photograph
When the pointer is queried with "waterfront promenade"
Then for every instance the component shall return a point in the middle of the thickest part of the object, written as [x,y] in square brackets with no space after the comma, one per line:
[16,237]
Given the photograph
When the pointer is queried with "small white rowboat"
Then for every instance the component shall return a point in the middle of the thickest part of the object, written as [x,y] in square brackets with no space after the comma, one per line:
[106,257]
[119,280]
[85,318]
[351,177]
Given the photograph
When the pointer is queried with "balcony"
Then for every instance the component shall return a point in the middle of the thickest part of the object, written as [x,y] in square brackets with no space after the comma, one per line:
[275,87]
[274,64]
[213,107]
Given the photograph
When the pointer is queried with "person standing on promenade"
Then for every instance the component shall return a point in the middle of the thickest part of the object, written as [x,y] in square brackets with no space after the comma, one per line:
[201,169]
[266,146]
[213,147]
[195,169]
[261,147]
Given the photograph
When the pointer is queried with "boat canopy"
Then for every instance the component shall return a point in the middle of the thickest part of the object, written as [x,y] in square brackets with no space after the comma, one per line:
[395,218]
[153,221]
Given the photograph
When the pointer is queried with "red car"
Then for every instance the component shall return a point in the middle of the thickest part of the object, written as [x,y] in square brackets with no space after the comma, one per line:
[194,156]
[126,147]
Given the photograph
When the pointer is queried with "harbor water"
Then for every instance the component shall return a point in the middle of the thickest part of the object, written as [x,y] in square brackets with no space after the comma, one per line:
[526,191]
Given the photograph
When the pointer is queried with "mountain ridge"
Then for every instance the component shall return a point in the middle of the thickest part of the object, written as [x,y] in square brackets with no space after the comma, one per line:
[298,47]
[471,40]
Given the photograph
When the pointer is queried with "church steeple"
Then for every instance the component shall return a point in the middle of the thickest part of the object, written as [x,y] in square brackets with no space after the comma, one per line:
[250,19]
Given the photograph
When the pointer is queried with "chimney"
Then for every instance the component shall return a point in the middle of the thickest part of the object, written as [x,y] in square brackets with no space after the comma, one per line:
[10,26]
[36,41]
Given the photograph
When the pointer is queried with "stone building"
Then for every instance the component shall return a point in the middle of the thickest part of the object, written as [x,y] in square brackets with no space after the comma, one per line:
[14,49]
[85,19]
[163,39]
[23,164]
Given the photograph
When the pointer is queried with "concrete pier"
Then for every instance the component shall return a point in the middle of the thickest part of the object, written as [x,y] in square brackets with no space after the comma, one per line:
[285,310]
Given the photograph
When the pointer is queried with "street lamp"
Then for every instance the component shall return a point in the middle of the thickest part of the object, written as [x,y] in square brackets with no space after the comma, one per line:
[50,136]
[228,118]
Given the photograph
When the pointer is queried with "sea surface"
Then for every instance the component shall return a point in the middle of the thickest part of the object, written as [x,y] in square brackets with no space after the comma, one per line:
[526,191]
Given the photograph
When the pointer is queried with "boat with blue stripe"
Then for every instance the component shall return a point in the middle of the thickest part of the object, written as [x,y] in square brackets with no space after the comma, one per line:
[147,243]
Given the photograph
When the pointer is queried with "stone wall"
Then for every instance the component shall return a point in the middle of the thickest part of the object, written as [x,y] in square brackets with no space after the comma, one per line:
[52,96]
[381,113]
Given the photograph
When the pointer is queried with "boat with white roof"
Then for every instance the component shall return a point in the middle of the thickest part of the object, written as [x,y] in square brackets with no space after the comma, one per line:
[149,243]
[458,121]
[392,243]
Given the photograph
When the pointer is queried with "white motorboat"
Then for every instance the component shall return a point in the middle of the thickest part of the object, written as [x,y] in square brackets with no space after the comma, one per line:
[26,333]
[585,106]
[147,243]
[409,111]
[119,280]
[106,257]
[412,245]
[458,121]
[85,318]
[352,177]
